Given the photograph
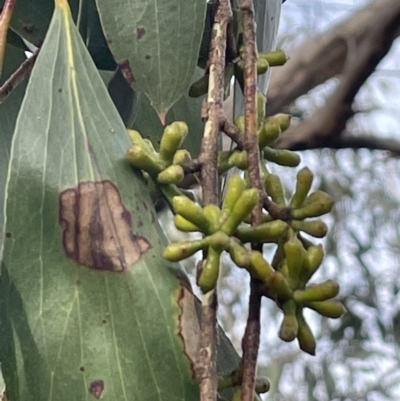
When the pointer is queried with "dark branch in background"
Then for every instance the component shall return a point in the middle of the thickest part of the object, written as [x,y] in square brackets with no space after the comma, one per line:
[328,123]
[347,141]
[324,56]
[18,76]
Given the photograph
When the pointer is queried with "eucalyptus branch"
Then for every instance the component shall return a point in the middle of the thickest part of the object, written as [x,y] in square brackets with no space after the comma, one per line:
[251,338]
[274,210]
[234,133]
[194,166]
[18,76]
[206,371]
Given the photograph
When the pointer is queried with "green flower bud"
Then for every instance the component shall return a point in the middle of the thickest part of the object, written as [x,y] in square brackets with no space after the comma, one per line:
[289,327]
[305,336]
[259,268]
[283,120]
[315,205]
[220,241]
[275,58]
[239,254]
[209,273]
[282,157]
[303,185]
[178,251]
[294,256]
[184,225]
[238,158]
[269,132]
[181,156]
[235,187]
[312,260]
[279,286]
[240,123]
[142,159]
[317,292]
[330,308]
[191,211]
[315,228]
[171,175]
[262,385]
[242,207]
[260,107]
[213,215]
[271,231]
[274,189]
[262,66]
[171,140]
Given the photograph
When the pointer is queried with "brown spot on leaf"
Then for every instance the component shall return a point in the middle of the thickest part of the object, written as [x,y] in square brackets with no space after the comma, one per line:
[82,368]
[147,57]
[96,388]
[8,235]
[189,328]
[126,71]
[97,229]
[140,32]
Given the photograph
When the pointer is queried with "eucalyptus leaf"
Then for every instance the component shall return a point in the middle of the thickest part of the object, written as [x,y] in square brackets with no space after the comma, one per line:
[156,43]
[89,309]
[187,109]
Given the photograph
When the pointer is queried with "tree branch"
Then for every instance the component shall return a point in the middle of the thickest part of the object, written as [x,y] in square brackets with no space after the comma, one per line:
[251,338]
[324,56]
[347,141]
[5,18]
[206,369]
[328,122]
[18,76]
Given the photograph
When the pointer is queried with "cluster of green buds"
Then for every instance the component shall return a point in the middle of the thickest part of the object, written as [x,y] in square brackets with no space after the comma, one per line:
[296,259]
[162,168]
[227,228]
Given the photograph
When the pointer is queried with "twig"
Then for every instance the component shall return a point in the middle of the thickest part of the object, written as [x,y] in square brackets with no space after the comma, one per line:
[206,371]
[194,166]
[5,18]
[234,133]
[251,338]
[251,342]
[274,210]
[18,76]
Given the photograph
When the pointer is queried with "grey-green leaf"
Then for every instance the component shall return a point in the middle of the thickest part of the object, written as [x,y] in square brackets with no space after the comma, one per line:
[156,43]
[89,309]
